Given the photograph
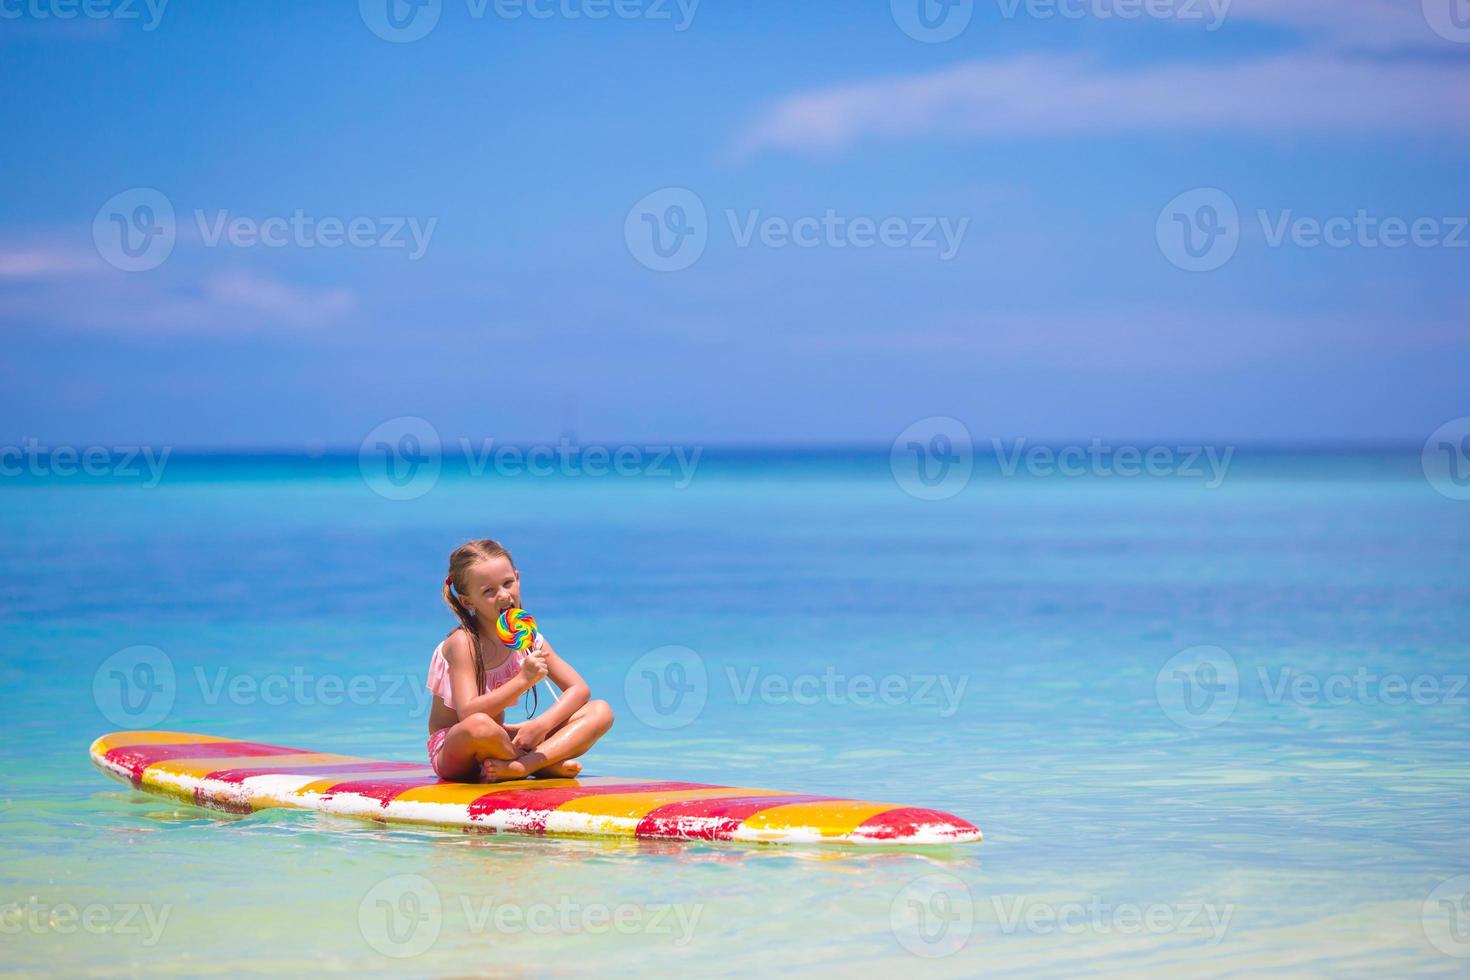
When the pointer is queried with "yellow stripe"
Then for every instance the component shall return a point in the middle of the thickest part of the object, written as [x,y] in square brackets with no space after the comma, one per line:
[836,818]
[118,740]
[639,805]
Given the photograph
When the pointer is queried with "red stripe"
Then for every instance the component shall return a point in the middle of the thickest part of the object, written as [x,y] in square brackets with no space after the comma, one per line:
[321,771]
[909,820]
[530,808]
[136,758]
[382,790]
[713,819]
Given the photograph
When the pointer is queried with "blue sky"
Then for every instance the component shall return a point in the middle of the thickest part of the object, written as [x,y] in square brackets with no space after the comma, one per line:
[1055,147]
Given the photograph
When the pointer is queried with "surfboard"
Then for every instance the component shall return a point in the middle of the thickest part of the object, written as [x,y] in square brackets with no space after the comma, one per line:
[242,777]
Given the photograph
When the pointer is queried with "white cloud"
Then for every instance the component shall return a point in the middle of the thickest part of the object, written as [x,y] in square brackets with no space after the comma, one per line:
[1066,95]
[76,289]
[31,264]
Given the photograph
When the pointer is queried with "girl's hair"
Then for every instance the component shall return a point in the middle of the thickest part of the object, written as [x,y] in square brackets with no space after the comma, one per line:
[461,559]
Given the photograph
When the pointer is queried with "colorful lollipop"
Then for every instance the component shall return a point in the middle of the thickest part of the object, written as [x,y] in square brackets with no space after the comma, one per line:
[516,628]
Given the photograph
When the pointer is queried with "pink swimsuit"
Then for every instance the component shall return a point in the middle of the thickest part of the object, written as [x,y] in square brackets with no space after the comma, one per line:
[439,685]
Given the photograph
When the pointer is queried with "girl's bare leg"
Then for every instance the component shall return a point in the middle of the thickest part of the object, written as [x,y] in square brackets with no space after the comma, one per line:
[471,741]
[551,758]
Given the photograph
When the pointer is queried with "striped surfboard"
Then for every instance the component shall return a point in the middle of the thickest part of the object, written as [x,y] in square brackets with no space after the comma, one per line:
[241,777]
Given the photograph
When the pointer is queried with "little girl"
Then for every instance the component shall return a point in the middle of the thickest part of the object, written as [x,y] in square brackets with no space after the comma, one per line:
[474,678]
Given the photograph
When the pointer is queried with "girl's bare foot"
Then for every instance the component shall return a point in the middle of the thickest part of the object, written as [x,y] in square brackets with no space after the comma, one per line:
[499,770]
[569,769]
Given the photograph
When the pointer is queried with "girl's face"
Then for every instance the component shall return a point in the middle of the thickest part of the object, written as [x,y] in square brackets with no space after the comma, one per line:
[492,587]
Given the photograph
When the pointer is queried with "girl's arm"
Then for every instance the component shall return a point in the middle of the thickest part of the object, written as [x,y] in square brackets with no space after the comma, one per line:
[459,652]
[574,694]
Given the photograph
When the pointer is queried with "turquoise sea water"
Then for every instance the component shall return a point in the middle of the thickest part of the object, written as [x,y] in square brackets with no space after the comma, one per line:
[1215,730]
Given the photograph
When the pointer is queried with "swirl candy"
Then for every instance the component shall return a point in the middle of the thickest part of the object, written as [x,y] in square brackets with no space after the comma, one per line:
[516,628]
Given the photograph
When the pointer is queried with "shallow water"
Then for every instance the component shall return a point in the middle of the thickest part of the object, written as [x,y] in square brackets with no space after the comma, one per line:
[1029,631]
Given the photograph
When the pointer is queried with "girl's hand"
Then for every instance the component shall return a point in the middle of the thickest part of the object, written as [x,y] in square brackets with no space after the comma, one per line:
[533,668]
[529,735]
